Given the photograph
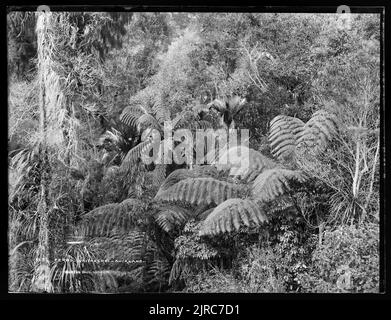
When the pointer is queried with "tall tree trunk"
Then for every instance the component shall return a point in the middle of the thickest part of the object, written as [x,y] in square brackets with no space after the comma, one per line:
[41,278]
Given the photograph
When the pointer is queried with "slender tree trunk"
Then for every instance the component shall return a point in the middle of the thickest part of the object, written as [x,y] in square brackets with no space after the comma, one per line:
[41,278]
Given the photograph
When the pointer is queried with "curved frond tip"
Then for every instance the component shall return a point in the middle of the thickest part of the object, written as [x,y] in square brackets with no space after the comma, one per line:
[170,216]
[199,191]
[283,135]
[181,174]
[273,183]
[107,219]
[231,215]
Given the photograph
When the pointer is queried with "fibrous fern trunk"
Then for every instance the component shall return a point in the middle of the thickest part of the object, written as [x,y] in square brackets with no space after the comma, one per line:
[41,277]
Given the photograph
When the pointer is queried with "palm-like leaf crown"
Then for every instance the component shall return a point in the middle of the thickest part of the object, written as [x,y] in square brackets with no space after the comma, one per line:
[228,108]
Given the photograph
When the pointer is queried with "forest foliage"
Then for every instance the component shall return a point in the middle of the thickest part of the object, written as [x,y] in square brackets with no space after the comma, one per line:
[302,217]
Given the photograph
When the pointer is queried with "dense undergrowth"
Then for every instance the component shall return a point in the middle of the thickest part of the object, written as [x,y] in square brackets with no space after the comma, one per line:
[302,218]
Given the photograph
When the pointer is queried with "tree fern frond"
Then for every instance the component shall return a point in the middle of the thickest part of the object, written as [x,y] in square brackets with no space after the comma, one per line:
[123,247]
[240,166]
[158,272]
[319,130]
[162,114]
[283,135]
[204,214]
[134,154]
[131,114]
[286,147]
[231,215]
[281,121]
[148,120]
[200,190]
[170,216]
[176,271]
[159,174]
[274,182]
[181,174]
[281,205]
[107,219]
[174,177]
[205,171]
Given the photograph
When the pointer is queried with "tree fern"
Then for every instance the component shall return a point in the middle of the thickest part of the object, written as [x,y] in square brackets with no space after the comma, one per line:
[170,216]
[158,273]
[159,174]
[274,182]
[107,219]
[233,105]
[122,247]
[319,130]
[132,113]
[284,132]
[148,121]
[228,109]
[288,134]
[204,214]
[181,174]
[135,154]
[161,112]
[282,204]
[176,270]
[200,190]
[231,215]
[257,162]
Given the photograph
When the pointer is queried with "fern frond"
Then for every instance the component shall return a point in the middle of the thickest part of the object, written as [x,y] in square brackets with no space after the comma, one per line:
[231,215]
[131,114]
[112,217]
[283,135]
[181,174]
[125,247]
[204,214]
[238,165]
[199,190]
[274,182]
[282,204]
[135,154]
[170,216]
[162,114]
[159,174]
[205,171]
[176,271]
[148,121]
[319,130]
[158,272]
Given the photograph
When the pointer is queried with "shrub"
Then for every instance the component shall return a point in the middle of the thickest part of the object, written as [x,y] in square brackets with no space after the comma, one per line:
[346,261]
[215,281]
